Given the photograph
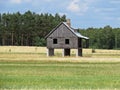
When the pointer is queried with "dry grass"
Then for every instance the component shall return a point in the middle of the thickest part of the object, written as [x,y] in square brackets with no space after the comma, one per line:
[22,53]
[30,49]
[22,49]
[29,68]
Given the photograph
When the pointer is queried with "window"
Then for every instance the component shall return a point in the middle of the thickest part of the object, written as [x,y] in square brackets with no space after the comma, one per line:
[55,41]
[67,41]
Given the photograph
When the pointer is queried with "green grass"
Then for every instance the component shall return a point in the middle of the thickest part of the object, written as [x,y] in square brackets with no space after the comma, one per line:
[59,75]
[30,68]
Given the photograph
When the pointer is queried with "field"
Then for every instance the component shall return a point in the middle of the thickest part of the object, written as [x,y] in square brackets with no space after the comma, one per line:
[29,68]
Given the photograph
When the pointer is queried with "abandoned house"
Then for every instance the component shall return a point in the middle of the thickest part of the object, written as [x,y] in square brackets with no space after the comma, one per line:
[63,36]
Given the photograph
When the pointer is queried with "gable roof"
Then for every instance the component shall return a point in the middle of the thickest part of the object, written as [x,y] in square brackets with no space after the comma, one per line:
[71,29]
[76,33]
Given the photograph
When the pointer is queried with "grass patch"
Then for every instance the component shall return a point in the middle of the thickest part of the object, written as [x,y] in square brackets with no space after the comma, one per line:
[30,68]
[59,75]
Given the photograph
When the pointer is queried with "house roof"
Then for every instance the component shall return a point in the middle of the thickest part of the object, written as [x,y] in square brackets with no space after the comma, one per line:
[76,33]
[71,29]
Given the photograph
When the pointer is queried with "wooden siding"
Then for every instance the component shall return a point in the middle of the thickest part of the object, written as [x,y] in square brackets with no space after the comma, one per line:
[61,33]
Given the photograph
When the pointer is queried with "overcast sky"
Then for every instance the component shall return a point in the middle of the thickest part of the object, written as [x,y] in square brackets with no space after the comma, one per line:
[83,13]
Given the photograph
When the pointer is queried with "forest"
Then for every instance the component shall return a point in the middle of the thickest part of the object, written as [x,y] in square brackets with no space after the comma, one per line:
[103,38]
[29,29]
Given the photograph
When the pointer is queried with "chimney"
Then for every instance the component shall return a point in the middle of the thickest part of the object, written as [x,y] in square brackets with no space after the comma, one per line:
[68,22]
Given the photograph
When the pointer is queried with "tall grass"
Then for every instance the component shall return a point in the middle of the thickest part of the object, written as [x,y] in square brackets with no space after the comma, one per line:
[59,75]
[30,68]
[58,52]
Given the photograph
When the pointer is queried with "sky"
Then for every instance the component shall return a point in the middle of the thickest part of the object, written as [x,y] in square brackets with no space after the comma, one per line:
[83,13]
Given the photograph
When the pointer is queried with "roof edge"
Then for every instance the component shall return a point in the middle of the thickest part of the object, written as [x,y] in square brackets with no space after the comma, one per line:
[52,30]
[77,34]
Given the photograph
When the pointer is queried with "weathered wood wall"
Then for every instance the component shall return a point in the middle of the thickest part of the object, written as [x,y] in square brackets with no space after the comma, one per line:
[62,33]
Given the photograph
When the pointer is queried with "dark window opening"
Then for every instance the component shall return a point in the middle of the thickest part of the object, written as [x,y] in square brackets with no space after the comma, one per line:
[55,41]
[67,41]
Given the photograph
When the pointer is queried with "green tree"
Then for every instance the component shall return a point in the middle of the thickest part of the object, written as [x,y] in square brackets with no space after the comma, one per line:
[22,29]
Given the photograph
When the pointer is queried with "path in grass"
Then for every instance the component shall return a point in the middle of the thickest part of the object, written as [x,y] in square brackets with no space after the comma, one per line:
[59,75]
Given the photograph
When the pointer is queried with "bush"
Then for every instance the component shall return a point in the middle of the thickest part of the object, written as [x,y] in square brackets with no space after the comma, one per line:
[39,41]
[93,50]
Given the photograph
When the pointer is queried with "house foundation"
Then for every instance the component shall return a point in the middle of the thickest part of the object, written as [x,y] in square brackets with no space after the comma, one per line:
[66,52]
[79,52]
[50,52]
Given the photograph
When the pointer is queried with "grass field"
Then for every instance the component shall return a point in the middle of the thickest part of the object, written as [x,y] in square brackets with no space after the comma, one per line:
[29,68]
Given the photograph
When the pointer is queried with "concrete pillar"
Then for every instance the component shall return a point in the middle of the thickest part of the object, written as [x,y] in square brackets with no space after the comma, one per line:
[50,52]
[79,52]
[66,52]
[63,53]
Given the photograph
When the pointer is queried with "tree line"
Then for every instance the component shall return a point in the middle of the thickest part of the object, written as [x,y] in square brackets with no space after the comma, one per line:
[27,29]
[103,38]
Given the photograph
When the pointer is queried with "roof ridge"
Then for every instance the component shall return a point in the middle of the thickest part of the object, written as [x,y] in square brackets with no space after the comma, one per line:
[76,33]
[70,28]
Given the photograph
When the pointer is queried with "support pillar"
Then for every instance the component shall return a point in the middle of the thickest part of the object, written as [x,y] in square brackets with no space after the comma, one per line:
[79,52]
[63,54]
[87,43]
[66,52]
[50,52]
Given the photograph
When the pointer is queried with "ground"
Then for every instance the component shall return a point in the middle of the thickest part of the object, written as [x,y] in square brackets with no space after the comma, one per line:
[30,68]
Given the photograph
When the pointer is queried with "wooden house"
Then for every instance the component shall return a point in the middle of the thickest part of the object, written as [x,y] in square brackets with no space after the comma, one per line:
[63,36]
